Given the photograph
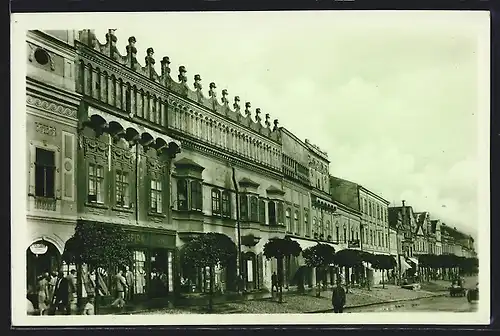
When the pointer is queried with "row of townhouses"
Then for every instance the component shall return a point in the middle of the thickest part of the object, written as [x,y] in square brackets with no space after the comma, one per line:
[114,142]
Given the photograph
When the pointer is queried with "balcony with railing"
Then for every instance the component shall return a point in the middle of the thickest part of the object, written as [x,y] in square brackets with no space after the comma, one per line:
[45,203]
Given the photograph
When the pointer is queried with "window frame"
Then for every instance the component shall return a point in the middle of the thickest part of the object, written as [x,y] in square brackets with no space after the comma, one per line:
[123,186]
[254,209]
[158,193]
[226,204]
[288,220]
[296,222]
[44,167]
[182,204]
[196,189]
[272,213]
[262,211]
[99,182]
[216,197]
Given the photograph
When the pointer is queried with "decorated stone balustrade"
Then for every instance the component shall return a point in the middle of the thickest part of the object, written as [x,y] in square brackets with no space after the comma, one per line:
[147,99]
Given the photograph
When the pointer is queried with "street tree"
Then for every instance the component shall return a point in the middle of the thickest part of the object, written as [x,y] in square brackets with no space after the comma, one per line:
[209,250]
[320,257]
[281,248]
[383,262]
[366,257]
[348,258]
[97,246]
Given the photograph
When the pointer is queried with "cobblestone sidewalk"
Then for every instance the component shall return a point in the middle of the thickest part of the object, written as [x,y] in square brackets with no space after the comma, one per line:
[305,303]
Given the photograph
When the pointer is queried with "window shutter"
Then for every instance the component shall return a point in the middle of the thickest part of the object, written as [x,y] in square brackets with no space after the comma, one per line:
[68,166]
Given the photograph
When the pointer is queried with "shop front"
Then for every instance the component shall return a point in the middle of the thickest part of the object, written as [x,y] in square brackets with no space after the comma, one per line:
[150,273]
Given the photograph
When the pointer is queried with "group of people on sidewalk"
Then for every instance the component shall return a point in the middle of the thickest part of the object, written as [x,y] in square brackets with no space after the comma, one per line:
[56,295]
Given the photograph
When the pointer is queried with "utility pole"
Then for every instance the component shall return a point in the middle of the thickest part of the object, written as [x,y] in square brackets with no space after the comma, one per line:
[238,260]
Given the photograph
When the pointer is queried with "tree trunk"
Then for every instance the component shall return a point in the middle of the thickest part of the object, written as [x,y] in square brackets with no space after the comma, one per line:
[280,279]
[211,290]
[346,269]
[96,290]
[318,283]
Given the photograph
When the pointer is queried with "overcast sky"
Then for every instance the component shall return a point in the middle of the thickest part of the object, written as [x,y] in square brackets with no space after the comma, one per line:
[392,99]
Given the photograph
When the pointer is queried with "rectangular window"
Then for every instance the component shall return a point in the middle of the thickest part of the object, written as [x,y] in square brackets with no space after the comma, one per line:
[262,212]
[122,188]
[44,173]
[254,209]
[280,213]
[272,213]
[156,196]
[96,183]
[182,192]
[243,207]
[216,202]
[196,196]
[226,204]
[307,229]
[297,224]
[139,272]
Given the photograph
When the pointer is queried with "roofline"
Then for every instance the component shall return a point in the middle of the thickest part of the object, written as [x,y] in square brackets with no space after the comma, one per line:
[373,194]
[294,137]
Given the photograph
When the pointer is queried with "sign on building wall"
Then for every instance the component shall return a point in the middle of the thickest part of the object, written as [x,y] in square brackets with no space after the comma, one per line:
[38,248]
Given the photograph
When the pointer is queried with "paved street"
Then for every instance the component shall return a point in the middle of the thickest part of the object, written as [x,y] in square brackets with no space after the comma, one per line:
[441,303]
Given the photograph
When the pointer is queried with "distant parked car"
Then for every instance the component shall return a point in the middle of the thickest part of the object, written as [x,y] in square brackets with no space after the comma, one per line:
[456,289]
[473,294]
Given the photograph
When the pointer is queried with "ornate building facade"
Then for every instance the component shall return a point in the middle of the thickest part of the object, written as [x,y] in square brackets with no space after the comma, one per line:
[51,154]
[113,142]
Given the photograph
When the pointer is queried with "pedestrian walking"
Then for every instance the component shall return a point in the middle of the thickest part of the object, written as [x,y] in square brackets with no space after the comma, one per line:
[121,288]
[60,297]
[129,278]
[43,293]
[274,282]
[71,280]
[338,298]
[52,285]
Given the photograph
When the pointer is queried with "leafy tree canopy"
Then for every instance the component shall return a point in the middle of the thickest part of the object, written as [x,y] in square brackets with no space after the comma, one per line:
[319,255]
[98,245]
[383,262]
[210,249]
[348,258]
[281,247]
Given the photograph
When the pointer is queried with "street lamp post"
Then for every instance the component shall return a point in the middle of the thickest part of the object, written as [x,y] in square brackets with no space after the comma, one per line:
[239,259]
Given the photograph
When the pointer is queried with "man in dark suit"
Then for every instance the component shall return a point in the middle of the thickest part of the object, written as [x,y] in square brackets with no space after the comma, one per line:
[60,298]
[338,297]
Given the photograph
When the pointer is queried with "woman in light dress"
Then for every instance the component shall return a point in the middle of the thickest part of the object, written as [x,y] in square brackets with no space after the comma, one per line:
[43,293]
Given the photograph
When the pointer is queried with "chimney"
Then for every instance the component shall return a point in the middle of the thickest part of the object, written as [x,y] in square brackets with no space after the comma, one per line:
[403,201]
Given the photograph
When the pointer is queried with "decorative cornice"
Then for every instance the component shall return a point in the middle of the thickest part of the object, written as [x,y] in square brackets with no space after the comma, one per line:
[108,56]
[196,145]
[51,106]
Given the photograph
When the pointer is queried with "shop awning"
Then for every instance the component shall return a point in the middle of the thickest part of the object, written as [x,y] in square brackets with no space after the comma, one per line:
[367,265]
[305,243]
[414,260]
[404,265]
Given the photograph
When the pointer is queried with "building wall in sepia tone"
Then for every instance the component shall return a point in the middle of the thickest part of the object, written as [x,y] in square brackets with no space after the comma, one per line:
[51,131]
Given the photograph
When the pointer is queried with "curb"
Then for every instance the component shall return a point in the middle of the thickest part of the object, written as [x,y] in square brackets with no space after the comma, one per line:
[376,303]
